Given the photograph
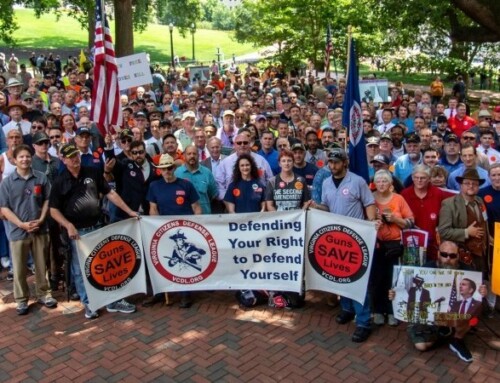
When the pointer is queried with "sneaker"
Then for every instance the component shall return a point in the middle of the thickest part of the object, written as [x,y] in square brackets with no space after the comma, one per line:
[361,334]
[392,321]
[22,308]
[378,319]
[10,275]
[458,347]
[344,317]
[121,307]
[89,314]
[5,262]
[48,302]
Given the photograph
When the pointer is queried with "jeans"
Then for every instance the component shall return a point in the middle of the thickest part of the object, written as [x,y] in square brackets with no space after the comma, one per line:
[362,311]
[76,271]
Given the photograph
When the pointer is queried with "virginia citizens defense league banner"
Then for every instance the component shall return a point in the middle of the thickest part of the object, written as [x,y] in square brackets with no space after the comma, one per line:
[112,263]
[235,251]
[254,251]
[339,254]
[435,296]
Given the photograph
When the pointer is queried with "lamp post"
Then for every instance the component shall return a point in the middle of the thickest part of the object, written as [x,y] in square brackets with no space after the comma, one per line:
[193,29]
[171,29]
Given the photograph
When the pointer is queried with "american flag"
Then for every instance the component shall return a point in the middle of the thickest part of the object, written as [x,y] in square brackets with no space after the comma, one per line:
[328,50]
[453,292]
[106,109]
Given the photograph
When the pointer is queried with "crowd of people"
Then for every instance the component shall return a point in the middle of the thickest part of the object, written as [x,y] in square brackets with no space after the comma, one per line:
[244,142]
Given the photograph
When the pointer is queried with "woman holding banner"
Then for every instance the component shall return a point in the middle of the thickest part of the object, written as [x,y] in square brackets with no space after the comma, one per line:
[393,214]
[245,194]
[286,191]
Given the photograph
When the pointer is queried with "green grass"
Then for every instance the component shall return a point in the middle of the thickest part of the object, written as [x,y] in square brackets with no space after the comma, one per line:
[49,33]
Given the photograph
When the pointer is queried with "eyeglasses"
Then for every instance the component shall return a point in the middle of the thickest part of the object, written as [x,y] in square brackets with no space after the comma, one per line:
[37,127]
[136,152]
[242,143]
[470,183]
[168,111]
[54,137]
[448,255]
[42,143]
[84,92]
[468,138]
[126,140]
[283,146]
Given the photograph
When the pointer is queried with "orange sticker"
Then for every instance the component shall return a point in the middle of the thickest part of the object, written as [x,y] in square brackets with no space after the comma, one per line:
[96,155]
[179,200]
[493,159]
[236,192]
[261,172]
[299,185]
[320,164]
[488,199]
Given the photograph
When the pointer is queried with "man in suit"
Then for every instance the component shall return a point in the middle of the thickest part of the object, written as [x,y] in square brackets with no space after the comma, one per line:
[463,219]
[214,147]
[468,306]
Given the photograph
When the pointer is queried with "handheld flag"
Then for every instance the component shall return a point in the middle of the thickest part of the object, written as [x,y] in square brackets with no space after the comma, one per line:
[352,118]
[82,60]
[106,109]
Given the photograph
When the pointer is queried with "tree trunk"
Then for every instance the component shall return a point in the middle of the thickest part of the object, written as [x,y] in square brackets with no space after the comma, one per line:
[124,29]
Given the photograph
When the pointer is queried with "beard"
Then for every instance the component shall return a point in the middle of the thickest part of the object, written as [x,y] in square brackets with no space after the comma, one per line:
[413,156]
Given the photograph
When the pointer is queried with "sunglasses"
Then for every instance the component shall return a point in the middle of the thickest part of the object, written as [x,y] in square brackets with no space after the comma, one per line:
[448,255]
[37,127]
[469,138]
[242,143]
[53,137]
[136,152]
[42,143]
[126,140]
[170,167]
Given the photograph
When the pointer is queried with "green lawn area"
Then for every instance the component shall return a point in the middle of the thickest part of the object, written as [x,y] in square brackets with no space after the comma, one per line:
[49,33]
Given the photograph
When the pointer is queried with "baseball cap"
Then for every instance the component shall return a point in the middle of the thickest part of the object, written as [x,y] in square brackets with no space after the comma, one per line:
[451,137]
[40,136]
[228,113]
[298,146]
[126,133]
[260,117]
[381,158]
[413,138]
[68,151]
[386,136]
[82,130]
[373,141]
[484,113]
[497,109]
[140,114]
[441,119]
[337,154]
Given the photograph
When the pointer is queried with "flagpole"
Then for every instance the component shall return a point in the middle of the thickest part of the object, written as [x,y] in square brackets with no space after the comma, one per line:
[349,40]
[106,87]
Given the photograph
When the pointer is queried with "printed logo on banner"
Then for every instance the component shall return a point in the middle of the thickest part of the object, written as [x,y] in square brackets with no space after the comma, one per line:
[184,252]
[338,254]
[113,263]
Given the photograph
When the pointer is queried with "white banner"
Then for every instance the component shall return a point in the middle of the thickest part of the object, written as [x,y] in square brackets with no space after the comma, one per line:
[133,71]
[112,264]
[435,296]
[339,253]
[254,251]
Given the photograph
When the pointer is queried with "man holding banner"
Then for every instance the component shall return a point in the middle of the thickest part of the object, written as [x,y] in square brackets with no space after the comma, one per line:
[347,194]
[75,205]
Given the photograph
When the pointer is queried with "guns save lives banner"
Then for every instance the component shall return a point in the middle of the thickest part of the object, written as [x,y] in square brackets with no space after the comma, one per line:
[239,251]
[255,251]
[339,254]
[112,263]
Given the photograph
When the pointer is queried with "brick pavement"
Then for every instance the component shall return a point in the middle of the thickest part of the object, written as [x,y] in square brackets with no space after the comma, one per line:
[216,341]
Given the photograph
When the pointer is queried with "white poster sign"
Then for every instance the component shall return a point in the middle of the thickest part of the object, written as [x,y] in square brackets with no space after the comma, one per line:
[254,251]
[376,90]
[112,264]
[435,296]
[339,253]
[133,71]
[199,73]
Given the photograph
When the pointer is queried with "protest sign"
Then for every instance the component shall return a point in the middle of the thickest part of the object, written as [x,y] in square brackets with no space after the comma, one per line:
[415,247]
[435,296]
[133,71]
[112,264]
[254,251]
[339,253]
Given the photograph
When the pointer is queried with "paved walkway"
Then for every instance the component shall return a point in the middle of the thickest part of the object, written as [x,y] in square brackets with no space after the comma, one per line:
[216,341]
